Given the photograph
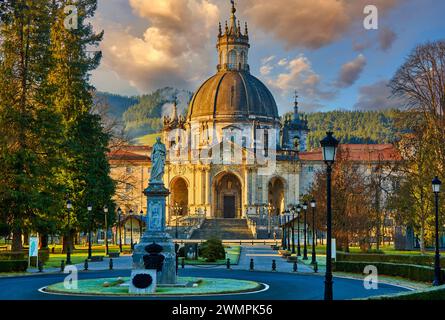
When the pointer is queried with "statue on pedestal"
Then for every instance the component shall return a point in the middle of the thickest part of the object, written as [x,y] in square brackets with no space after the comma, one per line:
[156,241]
[158,156]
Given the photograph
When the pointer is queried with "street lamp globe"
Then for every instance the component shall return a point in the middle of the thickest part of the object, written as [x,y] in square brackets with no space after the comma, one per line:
[69,205]
[89,207]
[436,185]
[305,205]
[313,203]
[298,209]
[119,211]
[105,209]
[329,145]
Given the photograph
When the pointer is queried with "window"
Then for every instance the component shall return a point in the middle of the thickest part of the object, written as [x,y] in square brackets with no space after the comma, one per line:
[232,59]
[266,143]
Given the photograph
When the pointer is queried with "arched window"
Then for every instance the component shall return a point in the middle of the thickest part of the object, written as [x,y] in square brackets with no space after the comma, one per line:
[232,59]
[243,59]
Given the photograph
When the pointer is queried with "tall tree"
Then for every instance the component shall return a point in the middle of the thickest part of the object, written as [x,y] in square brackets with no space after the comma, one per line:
[84,147]
[28,127]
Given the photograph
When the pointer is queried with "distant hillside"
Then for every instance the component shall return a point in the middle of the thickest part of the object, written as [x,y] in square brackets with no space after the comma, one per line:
[145,117]
[142,117]
[118,104]
[353,126]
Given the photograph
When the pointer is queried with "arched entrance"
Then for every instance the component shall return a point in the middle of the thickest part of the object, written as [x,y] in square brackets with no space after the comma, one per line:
[276,195]
[227,201]
[179,197]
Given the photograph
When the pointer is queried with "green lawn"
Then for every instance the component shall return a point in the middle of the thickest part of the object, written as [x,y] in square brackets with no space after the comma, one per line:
[80,254]
[204,286]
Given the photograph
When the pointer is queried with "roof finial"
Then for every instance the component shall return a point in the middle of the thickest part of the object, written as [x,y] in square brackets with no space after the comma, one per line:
[233,6]
[246,32]
[296,106]
[220,30]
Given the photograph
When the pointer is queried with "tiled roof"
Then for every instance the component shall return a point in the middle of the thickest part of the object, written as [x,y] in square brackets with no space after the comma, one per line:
[124,155]
[359,152]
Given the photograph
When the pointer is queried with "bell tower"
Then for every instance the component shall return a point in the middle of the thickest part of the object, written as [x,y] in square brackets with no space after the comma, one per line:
[233,45]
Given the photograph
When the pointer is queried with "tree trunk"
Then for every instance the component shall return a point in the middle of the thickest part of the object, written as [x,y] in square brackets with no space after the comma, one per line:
[422,239]
[44,241]
[68,240]
[17,244]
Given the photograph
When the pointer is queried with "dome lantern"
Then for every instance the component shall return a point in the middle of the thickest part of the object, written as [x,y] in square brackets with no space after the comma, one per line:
[233,46]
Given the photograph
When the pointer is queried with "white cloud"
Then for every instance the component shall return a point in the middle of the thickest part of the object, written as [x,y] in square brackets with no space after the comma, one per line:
[266,70]
[176,49]
[377,96]
[309,23]
[351,71]
[283,62]
[297,74]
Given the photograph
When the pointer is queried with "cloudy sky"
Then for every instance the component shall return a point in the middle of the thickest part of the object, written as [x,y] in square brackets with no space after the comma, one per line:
[318,47]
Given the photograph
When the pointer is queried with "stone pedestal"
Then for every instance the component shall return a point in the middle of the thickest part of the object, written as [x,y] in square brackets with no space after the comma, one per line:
[155,233]
[151,274]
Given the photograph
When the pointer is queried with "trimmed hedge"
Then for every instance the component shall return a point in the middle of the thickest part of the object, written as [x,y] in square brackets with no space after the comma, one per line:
[434,293]
[390,258]
[408,271]
[23,255]
[13,265]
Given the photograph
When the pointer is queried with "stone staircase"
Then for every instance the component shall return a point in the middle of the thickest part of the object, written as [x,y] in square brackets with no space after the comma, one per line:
[225,229]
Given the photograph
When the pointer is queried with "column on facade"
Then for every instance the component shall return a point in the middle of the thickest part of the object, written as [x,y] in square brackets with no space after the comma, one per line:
[207,191]
[246,202]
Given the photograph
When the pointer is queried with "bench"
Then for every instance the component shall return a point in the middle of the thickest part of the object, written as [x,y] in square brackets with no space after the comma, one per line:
[3,248]
[114,254]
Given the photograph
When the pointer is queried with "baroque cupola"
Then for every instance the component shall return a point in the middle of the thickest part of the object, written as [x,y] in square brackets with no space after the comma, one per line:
[233,45]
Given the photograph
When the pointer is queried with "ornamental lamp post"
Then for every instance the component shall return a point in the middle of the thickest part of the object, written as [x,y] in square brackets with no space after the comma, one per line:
[140,225]
[298,230]
[293,230]
[305,231]
[289,229]
[283,227]
[90,251]
[131,229]
[119,216]
[314,254]
[106,230]
[329,146]
[69,206]
[437,272]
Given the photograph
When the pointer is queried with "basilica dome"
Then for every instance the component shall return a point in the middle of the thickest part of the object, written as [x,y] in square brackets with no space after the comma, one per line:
[234,95]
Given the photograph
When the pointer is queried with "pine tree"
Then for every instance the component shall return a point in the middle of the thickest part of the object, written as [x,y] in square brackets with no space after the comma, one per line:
[28,127]
[85,174]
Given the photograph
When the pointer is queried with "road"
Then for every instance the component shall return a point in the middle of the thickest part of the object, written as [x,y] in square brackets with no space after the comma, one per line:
[282,286]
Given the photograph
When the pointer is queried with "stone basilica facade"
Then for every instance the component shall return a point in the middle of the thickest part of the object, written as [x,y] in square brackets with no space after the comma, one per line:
[232,156]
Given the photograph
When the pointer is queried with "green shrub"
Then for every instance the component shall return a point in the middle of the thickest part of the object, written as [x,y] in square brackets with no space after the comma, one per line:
[13,265]
[390,258]
[213,250]
[9,255]
[408,271]
[434,293]
[5,229]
